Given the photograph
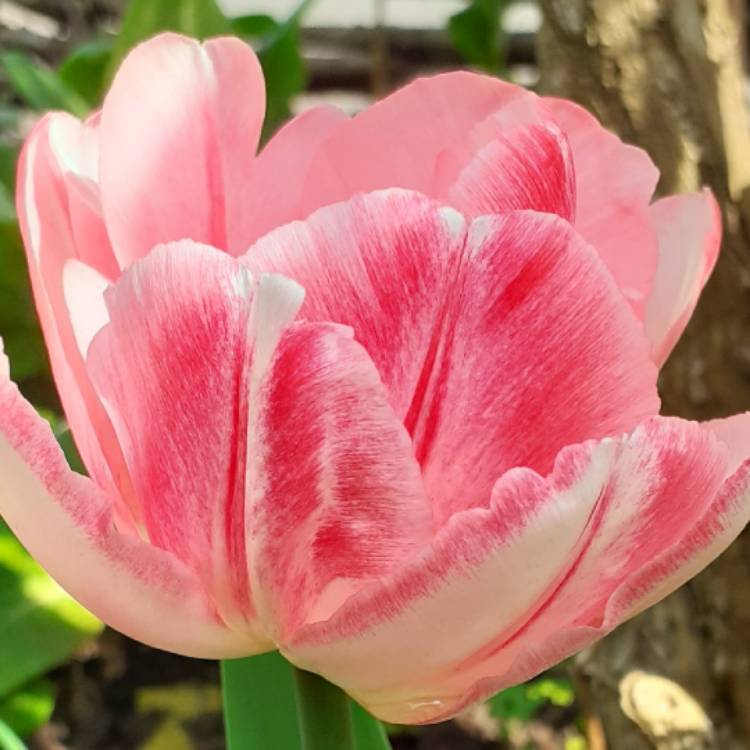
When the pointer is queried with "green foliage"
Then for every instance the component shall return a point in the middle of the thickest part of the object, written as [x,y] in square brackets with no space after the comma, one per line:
[41,625]
[85,70]
[144,18]
[29,707]
[522,702]
[477,33]
[40,88]
[278,50]
[9,740]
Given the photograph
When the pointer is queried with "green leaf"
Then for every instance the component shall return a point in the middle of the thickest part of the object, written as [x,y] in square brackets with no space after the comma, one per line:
[9,740]
[260,709]
[85,70]
[41,625]
[368,731]
[253,26]
[144,18]
[19,328]
[29,708]
[40,87]
[477,33]
[283,68]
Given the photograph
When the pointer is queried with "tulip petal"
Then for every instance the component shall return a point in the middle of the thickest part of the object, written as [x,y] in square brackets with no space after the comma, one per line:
[172,367]
[179,130]
[274,193]
[380,263]
[614,185]
[66,522]
[554,563]
[689,231]
[51,182]
[335,497]
[527,167]
[437,311]
[397,142]
[574,363]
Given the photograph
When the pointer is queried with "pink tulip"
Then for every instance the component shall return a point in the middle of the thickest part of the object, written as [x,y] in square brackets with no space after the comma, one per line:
[410,439]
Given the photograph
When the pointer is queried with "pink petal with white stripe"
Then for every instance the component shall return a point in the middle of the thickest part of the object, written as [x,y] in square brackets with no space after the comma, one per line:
[67,523]
[553,564]
[538,350]
[173,368]
[689,231]
[527,167]
[614,185]
[49,187]
[335,497]
[179,130]
[383,264]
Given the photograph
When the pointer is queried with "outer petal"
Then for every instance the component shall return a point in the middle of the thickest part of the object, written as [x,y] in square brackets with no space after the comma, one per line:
[335,497]
[66,522]
[552,565]
[527,167]
[48,189]
[179,130]
[614,185]
[397,142]
[274,192]
[172,367]
[380,263]
[689,231]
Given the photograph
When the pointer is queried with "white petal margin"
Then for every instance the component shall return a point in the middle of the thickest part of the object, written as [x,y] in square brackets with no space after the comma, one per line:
[552,565]
[67,524]
[689,232]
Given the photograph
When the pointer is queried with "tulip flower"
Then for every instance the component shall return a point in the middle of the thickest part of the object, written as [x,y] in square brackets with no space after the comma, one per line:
[382,396]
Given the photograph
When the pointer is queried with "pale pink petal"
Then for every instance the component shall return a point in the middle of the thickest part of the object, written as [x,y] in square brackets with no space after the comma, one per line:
[274,192]
[74,147]
[47,188]
[335,497]
[179,130]
[526,167]
[397,142]
[172,368]
[614,185]
[381,263]
[689,232]
[507,591]
[84,289]
[538,350]
[67,524]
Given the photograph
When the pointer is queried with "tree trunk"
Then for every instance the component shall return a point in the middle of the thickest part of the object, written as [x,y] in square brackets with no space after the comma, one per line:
[668,75]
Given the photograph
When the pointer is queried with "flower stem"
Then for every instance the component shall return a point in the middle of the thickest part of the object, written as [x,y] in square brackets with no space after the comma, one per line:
[324,714]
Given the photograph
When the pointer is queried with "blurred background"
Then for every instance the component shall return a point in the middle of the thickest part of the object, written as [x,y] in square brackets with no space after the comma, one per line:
[669,75]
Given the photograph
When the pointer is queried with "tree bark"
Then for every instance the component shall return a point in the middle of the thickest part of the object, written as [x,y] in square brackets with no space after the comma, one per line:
[668,75]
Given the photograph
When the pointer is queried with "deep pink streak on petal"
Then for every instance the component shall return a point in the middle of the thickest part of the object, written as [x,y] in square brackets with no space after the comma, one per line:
[527,167]
[45,193]
[380,263]
[336,498]
[614,185]
[172,368]
[66,522]
[179,130]
[535,297]
[397,141]
[689,232]
[274,192]
[618,523]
